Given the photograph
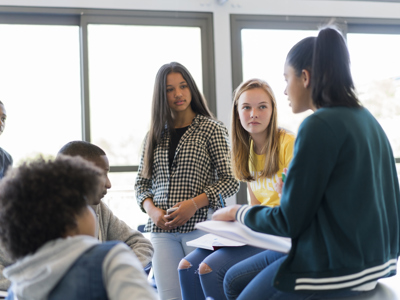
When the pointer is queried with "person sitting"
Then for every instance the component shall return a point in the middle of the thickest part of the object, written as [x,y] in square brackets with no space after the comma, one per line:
[261,151]
[48,228]
[5,158]
[340,201]
[6,161]
[110,227]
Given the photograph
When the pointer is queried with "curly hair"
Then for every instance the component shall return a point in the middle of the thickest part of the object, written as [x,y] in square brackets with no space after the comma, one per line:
[39,201]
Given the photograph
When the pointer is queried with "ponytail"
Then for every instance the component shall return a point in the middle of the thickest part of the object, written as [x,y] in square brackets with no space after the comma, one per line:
[327,59]
[331,80]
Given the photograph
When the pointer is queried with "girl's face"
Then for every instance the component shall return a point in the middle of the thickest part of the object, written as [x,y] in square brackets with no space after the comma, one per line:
[298,89]
[255,111]
[178,93]
[3,117]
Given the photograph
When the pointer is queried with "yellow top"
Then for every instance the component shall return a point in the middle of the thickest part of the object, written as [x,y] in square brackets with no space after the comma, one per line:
[263,188]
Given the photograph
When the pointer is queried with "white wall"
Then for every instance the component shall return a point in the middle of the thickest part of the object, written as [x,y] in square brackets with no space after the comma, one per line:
[361,9]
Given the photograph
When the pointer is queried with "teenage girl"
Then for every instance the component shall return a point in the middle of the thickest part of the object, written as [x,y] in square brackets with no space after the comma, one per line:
[340,200]
[185,165]
[260,152]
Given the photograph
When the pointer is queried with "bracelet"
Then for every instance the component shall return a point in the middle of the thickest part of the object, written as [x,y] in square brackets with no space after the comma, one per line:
[195,205]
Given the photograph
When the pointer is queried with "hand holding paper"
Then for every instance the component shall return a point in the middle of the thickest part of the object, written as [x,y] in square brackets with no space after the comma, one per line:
[241,233]
[226,214]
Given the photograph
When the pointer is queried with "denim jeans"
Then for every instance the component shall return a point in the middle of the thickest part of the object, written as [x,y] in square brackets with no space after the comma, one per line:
[169,249]
[253,279]
[198,287]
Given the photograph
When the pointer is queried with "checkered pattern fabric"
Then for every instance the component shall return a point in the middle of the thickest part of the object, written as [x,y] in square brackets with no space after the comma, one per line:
[201,165]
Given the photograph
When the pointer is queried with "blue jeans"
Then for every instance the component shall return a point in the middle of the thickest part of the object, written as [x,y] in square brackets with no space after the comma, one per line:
[195,286]
[253,279]
[169,249]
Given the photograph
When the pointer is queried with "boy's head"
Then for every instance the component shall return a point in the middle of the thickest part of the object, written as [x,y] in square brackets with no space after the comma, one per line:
[44,200]
[3,117]
[93,154]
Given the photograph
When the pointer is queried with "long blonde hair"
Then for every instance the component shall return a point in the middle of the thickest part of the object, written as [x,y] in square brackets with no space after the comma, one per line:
[241,139]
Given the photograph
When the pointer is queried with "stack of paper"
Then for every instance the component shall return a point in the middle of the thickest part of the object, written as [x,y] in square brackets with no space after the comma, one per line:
[212,242]
[240,233]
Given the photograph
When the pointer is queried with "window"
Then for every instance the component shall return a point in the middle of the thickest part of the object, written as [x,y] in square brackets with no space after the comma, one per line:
[260,45]
[40,78]
[81,74]
[123,63]
[264,58]
[377,78]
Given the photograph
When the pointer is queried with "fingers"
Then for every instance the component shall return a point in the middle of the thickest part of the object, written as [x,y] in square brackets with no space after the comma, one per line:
[221,214]
[161,223]
[226,213]
[176,222]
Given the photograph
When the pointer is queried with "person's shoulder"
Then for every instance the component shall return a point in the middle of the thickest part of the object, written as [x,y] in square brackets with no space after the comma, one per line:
[6,157]
[5,153]
[103,208]
[332,113]
[210,122]
[286,136]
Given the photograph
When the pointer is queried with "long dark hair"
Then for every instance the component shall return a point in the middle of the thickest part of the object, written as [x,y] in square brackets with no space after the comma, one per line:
[327,59]
[161,113]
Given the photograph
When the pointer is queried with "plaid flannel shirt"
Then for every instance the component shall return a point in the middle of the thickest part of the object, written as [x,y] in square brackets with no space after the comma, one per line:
[201,165]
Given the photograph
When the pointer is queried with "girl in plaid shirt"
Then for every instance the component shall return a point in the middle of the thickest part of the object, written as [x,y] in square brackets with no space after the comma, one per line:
[185,164]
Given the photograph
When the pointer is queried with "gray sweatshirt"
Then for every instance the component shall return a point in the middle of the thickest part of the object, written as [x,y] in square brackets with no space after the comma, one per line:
[109,228]
[35,276]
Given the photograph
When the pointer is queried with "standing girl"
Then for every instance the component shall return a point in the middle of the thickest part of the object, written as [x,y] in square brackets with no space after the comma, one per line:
[260,152]
[340,200]
[186,165]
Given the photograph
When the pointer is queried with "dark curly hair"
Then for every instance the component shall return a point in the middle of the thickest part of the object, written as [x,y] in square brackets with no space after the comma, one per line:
[39,201]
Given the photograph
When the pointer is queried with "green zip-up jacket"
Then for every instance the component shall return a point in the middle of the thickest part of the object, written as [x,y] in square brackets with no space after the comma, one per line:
[340,205]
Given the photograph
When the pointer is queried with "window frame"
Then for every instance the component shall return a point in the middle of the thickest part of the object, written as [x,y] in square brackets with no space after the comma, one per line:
[84,17]
[346,25]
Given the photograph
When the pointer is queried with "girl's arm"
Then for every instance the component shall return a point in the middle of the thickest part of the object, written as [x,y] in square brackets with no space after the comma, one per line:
[143,185]
[315,156]
[227,185]
[156,214]
[187,209]
[219,150]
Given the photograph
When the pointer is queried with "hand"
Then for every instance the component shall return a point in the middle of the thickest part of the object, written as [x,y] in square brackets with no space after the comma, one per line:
[226,214]
[157,215]
[179,217]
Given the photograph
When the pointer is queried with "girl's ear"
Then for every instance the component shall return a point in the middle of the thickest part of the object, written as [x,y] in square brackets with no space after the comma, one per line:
[306,78]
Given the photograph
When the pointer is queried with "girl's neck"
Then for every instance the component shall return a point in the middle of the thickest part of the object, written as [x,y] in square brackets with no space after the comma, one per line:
[183,119]
[259,142]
